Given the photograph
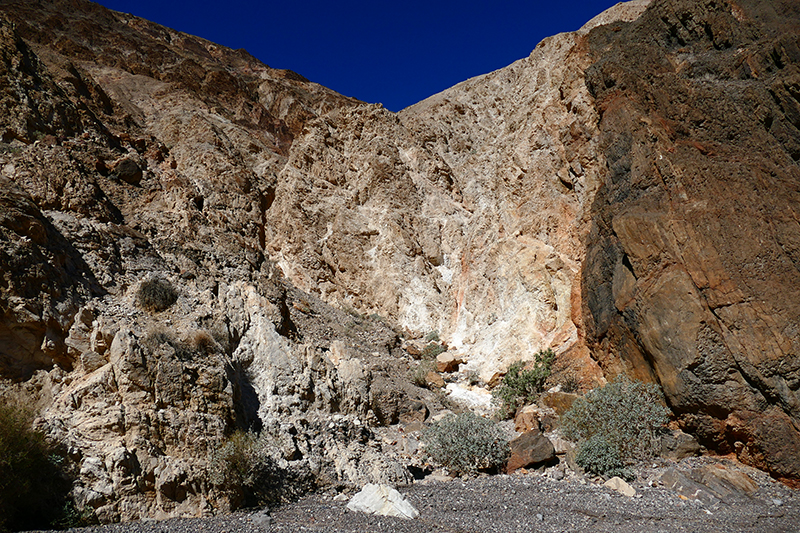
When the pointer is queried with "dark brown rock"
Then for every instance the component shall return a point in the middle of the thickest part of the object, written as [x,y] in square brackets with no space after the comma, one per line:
[529,449]
[690,278]
[413,411]
[128,171]
[677,445]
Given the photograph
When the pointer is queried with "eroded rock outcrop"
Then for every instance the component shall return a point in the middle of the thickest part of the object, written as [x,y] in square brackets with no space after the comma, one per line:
[691,265]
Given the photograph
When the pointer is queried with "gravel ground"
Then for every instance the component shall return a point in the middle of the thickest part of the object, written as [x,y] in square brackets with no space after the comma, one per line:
[504,504]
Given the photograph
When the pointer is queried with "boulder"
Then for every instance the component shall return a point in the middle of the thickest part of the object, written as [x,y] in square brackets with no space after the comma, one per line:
[447,362]
[677,445]
[434,380]
[128,171]
[529,449]
[709,484]
[527,419]
[533,417]
[618,484]
[560,402]
[382,500]
[413,411]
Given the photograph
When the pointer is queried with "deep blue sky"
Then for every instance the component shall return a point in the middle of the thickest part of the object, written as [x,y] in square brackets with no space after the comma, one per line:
[396,53]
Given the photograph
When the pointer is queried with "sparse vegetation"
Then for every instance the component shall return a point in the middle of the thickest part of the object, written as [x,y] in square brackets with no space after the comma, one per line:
[432,349]
[619,420]
[570,382]
[200,343]
[156,295]
[433,336]
[467,443]
[520,385]
[419,375]
[597,456]
[33,484]
[245,468]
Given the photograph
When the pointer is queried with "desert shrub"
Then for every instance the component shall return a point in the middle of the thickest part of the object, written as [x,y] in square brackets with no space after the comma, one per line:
[466,443]
[570,383]
[33,485]
[432,336]
[419,376]
[520,385]
[73,517]
[156,295]
[203,343]
[597,456]
[199,343]
[627,415]
[244,466]
[432,349]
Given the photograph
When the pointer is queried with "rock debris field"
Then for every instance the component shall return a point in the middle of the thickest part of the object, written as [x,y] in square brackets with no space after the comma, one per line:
[525,502]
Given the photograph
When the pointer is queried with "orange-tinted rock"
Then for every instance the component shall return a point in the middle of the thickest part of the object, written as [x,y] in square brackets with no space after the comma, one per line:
[560,402]
[434,379]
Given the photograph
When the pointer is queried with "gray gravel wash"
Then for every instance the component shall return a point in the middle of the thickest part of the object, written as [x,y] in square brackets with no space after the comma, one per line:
[505,504]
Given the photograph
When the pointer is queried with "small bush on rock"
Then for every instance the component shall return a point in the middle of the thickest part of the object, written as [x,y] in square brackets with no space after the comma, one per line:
[156,295]
[466,443]
[245,468]
[419,376]
[625,415]
[520,386]
[433,336]
[432,349]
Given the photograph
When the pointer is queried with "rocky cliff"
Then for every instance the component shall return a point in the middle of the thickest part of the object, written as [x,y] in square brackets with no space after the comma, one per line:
[691,261]
[626,195]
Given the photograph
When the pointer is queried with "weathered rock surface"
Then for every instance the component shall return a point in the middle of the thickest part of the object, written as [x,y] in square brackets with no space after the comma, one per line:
[619,485]
[529,449]
[382,500]
[690,277]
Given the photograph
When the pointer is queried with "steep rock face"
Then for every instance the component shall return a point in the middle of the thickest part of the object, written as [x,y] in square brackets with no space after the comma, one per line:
[690,276]
[131,152]
[465,216]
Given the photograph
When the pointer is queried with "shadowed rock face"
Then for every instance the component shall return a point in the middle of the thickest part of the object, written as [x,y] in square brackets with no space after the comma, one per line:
[692,262]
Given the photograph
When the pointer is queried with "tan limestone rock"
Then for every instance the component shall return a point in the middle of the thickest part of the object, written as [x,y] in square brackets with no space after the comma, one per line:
[619,485]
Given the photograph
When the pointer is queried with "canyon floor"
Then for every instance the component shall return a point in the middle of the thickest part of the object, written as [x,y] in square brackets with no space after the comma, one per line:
[532,501]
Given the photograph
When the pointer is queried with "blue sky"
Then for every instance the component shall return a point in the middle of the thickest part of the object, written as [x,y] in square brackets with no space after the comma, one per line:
[395,53]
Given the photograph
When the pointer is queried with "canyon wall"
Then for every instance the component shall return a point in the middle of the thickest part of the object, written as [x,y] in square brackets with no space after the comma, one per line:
[626,195]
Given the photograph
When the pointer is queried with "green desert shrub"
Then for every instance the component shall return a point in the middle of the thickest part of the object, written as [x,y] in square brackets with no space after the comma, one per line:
[156,295]
[597,456]
[432,349]
[245,467]
[626,415]
[466,443]
[33,485]
[520,385]
[419,376]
